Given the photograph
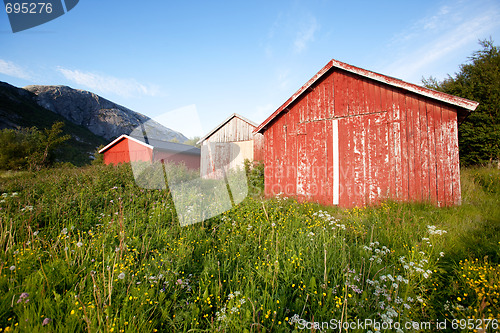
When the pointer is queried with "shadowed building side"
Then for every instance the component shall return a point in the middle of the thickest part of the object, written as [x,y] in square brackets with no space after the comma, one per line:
[129,149]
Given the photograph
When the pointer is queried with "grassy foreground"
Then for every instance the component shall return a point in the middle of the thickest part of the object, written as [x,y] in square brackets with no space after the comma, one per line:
[87,250]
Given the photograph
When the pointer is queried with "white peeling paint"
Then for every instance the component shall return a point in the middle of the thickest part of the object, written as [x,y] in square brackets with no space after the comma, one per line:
[336,162]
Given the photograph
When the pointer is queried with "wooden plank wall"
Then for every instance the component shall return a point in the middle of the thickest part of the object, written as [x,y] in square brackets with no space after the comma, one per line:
[258,147]
[234,130]
[391,144]
[298,159]
[236,144]
[394,144]
[191,161]
[220,157]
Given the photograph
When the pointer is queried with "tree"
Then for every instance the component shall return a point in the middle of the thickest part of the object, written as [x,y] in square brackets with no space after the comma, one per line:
[30,148]
[98,159]
[477,80]
[193,142]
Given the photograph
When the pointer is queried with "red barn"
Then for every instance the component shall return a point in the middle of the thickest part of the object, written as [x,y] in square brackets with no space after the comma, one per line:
[352,137]
[129,149]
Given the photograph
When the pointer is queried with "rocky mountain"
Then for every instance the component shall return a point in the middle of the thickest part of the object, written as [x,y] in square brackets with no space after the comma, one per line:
[101,116]
[18,108]
[89,119]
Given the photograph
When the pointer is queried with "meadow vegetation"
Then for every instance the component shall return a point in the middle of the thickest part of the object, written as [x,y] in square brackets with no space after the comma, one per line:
[86,249]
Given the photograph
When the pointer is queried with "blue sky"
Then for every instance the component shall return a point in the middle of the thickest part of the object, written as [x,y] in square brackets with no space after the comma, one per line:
[206,59]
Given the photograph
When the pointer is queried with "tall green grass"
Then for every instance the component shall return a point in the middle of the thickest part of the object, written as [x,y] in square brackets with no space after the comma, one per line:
[85,249]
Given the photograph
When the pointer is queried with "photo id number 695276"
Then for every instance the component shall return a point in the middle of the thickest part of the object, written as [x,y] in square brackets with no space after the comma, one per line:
[28,7]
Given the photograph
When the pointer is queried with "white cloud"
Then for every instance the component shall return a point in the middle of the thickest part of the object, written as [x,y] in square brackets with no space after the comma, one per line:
[437,20]
[434,38]
[263,111]
[109,84]
[437,23]
[11,69]
[305,35]
[283,78]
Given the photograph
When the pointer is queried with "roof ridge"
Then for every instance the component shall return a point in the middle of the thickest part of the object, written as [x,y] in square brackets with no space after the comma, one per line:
[433,94]
[237,115]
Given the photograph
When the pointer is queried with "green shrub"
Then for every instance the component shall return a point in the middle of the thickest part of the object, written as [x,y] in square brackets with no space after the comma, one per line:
[255,177]
[30,148]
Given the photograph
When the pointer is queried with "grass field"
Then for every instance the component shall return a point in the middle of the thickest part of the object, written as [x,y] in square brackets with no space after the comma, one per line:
[85,249]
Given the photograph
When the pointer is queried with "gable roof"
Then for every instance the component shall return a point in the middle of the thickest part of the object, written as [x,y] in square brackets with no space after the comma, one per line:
[156,144]
[224,123]
[462,103]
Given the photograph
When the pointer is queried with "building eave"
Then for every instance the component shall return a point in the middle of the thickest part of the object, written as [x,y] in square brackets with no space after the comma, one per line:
[121,137]
[462,103]
[234,115]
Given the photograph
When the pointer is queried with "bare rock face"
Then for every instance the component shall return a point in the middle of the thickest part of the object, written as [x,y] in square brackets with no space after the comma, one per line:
[101,116]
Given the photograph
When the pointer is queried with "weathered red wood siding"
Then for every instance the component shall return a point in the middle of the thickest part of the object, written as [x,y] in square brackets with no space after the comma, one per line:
[298,154]
[258,147]
[125,151]
[391,143]
[191,161]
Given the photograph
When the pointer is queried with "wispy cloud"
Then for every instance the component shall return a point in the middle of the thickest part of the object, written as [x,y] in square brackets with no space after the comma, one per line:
[305,35]
[283,78]
[435,37]
[443,19]
[291,30]
[109,84]
[263,111]
[11,69]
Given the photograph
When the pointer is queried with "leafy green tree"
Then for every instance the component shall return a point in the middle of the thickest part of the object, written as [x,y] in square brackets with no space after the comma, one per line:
[98,157]
[478,80]
[30,148]
[193,142]
[13,148]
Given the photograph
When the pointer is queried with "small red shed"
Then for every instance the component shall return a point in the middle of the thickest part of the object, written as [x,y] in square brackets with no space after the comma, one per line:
[129,149]
[352,137]
[228,145]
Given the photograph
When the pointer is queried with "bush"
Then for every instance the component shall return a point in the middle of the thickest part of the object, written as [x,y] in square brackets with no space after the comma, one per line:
[97,158]
[255,177]
[30,148]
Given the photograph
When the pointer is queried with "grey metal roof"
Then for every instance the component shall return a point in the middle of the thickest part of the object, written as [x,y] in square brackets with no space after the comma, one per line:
[173,146]
[157,144]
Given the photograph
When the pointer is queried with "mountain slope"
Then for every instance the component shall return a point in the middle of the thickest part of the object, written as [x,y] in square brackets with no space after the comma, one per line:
[101,116]
[18,108]
[90,119]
